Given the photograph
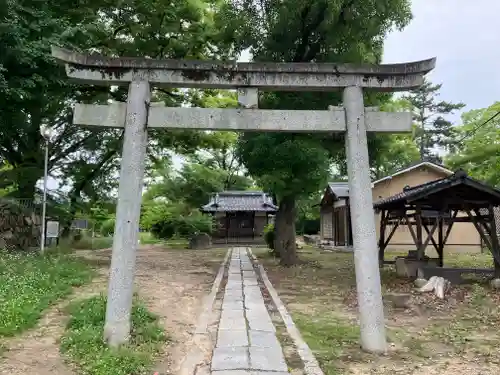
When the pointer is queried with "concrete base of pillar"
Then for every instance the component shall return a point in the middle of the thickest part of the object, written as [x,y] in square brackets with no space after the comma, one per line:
[406,267]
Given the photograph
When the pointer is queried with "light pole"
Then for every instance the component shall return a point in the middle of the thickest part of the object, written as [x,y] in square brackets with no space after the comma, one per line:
[46,134]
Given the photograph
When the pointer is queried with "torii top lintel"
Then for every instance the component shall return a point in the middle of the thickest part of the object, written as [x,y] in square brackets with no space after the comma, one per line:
[98,69]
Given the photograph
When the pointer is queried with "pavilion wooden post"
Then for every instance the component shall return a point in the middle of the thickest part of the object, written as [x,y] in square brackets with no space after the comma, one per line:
[418,220]
[441,242]
[495,243]
[248,78]
[381,238]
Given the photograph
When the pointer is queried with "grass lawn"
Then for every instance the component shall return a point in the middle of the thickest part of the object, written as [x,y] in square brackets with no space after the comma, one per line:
[30,283]
[84,346]
[98,243]
[460,330]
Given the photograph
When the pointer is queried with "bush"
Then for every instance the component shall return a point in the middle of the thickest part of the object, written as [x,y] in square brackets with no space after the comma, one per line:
[182,226]
[166,221]
[83,341]
[308,226]
[108,227]
[269,238]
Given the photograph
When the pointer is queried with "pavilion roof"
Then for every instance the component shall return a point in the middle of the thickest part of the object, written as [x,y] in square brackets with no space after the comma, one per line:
[458,191]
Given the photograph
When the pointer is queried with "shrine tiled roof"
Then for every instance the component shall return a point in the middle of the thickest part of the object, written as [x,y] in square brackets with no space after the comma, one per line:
[230,201]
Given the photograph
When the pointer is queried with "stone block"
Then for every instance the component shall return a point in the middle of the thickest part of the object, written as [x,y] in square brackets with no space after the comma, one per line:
[250,282]
[232,338]
[409,267]
[232,323]
[267,359]
[263,339]
[200,241]
[231,304]
[230,359]
[259,322]
[233,285]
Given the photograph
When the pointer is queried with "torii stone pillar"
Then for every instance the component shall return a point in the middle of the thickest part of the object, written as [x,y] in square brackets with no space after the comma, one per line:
[137,115]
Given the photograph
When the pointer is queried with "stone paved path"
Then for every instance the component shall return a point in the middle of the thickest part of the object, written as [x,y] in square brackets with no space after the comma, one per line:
[246,337]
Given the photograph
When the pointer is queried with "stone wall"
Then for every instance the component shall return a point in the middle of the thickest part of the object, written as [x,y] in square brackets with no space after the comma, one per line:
[19,226]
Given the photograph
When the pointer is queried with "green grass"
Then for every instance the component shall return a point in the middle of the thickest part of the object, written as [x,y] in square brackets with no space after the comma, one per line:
[321,295]
[29,284]
[329,337]
[96,243]
[87,243]
[83,340]
[148,239]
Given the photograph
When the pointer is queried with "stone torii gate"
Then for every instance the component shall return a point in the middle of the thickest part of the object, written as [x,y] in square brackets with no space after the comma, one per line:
[137,115]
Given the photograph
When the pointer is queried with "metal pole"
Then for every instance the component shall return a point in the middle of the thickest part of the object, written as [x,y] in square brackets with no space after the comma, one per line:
[44,200]
[366,264]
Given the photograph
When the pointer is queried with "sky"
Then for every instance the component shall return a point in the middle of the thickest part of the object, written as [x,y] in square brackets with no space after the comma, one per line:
[464,35]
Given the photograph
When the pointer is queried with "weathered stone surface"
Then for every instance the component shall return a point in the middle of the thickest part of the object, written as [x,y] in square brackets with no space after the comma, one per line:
[234,323]
[230,359]
[19,227]
[232,338]
[267,359]
[243,308]
[200,241]
[247,372]
[261,324]
[311,240]
[250,282]
[232,315]
[231,304]
[399,300]
[495,283]
[233,285]
[263,339]
[419,283]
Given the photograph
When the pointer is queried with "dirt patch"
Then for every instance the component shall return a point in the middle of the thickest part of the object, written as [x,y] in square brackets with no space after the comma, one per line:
[37,351]
[173,284]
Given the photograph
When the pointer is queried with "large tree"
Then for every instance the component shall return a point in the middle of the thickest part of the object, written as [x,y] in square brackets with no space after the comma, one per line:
[34,89]
[479,144]
[434,133]
[291,166]
[393,151]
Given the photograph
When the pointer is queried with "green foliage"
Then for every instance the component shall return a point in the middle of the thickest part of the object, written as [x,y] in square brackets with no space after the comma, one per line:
[83,342]
[269,238]
[392,152]
[433,130]
[34,89]
[294,166]
[29,284]
[166,220]
[308,226]
[479,153]
[86,242]
[107,228]
[147,238]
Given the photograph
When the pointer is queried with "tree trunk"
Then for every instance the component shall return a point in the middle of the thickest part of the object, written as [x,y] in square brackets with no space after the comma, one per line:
[284,232]
[27,179]
[71,214]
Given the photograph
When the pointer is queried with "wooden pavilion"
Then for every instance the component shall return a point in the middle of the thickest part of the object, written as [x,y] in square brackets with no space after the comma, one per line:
[434,207]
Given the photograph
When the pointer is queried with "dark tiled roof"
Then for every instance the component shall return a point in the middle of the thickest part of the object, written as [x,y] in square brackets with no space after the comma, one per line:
[422,191]
[240,201]
[340,189]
